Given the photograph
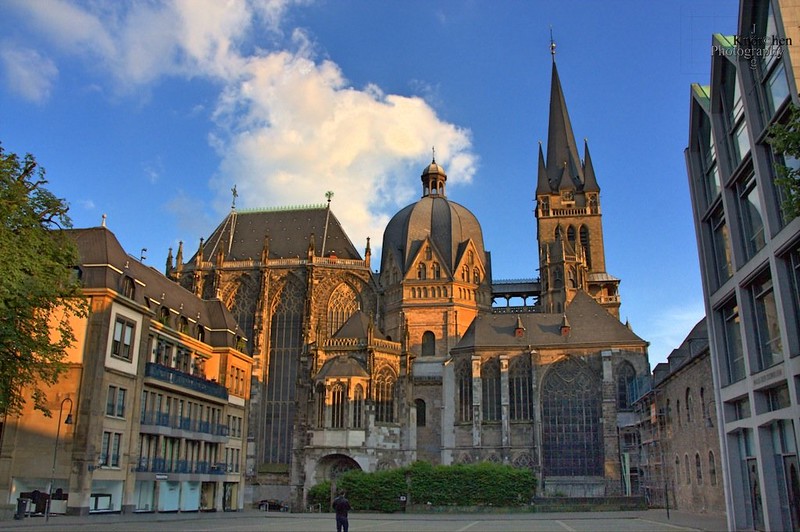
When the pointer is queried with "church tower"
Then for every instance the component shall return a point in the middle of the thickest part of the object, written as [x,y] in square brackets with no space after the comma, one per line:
[568,217]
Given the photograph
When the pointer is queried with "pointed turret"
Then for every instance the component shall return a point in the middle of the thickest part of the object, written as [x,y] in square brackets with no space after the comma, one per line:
[169,263]
[589,179]
[561,146]
[368,254]
[542,184]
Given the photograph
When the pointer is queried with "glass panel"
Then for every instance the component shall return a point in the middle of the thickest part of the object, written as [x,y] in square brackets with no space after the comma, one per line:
[722,253]
[752,219]
[766,320]
[734,354]
[777,88]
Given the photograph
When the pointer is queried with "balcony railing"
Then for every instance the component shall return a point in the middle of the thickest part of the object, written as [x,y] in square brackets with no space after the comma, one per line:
[162,419]
[160,465]
[179,378]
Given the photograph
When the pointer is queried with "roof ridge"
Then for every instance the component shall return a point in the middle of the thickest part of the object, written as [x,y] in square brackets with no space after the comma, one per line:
[311,206]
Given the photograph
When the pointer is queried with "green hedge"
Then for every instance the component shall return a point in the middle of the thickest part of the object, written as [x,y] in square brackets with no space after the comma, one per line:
[482,484]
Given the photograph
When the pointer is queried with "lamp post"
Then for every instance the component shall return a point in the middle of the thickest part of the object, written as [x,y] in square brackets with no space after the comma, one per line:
[67,421]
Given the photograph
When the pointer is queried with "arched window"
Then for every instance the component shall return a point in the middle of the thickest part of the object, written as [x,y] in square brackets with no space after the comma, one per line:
[465,273]
[342,304]
[421,271]
[625,378]
[585,243]
[128,287]
[428,344]
[183,325]
[669,413]
[698,469]
[437,270]
[358,406]
[712,469]
[476,276]
[558,281]
[201,333]
[320,393]
[384,397]
[420,404]
[338,405]
[572,439]
[490,386]
[464,380]
[470,257]
[688,405]
[571,235]
[519,389]
[687,471]
[428,253]
[677,470]
[678,411]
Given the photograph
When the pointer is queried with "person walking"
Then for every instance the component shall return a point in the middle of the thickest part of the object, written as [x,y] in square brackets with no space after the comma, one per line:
[341,506]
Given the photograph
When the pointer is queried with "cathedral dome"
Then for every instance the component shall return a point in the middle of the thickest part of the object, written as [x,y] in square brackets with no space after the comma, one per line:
[448,225]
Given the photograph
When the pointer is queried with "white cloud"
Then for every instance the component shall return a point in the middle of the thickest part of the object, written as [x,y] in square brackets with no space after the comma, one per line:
[669,328]
[28,73]
[288,127]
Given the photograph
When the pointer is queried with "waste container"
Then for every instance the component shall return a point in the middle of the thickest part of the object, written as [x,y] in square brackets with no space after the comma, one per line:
[22,508]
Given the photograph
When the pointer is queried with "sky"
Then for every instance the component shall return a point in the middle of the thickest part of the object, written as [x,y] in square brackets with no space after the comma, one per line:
[151,111]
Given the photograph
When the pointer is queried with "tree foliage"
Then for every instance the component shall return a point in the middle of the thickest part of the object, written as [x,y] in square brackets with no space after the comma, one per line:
[785,139]
[39,291]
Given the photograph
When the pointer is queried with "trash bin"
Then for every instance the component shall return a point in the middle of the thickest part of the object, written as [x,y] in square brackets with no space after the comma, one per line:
[22,508]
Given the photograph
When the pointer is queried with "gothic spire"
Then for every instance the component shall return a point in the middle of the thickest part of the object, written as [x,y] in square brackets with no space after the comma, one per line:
[589,179]
[561,146]
[542,184]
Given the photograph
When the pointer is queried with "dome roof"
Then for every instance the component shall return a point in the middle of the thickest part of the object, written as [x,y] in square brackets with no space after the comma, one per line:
[449,226]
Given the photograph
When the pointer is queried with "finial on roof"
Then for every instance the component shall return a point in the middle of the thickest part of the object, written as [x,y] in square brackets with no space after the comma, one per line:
[235,195]
[103,223]
[552,45]
[433,152]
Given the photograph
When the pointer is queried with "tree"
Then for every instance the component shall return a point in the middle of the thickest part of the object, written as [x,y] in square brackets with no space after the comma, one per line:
[785,139]
[39,291]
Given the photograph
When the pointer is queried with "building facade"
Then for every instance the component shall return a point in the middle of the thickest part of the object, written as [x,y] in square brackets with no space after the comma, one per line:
[153,409]
[373,370]
[749,256]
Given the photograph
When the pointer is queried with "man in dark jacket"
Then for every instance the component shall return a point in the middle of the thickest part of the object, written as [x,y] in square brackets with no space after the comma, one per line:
[341,506]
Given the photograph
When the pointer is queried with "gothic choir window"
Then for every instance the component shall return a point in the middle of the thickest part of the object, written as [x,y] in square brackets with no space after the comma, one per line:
[572,442]
[571,236]
[625,378]
[338,405]
[242,303]
[428,344]
[279,401]
[358,407]
[490,386]
[464,382]
[384,397]
[342,304]
[519,389]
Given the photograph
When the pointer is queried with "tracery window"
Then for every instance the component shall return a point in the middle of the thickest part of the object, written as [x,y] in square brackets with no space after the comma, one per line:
[285,344]
[519,389]
[358,406]
[384,397]
[490,390]
[342,304]
[338,405]
[464,381]
[585,243]
[571,411]
[625,377]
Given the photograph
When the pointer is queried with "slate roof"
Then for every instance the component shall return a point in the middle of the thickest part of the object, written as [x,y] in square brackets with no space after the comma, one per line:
[102,257]
[241,234]
[342,366]
[590,324]
[357,326]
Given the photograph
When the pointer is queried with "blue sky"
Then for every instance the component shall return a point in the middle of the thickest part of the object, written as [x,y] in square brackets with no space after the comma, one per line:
[151,111]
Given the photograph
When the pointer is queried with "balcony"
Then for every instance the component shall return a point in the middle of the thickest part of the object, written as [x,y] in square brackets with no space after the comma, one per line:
[160,465]
[162,419]
[184,380]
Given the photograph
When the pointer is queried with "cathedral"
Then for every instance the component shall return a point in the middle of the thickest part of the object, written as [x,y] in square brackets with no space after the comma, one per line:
[426,359]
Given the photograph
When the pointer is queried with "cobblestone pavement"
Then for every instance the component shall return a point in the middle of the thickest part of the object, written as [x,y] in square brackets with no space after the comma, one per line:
[651,520]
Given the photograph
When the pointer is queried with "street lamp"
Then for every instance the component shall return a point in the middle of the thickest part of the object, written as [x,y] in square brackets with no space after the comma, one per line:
[67,421]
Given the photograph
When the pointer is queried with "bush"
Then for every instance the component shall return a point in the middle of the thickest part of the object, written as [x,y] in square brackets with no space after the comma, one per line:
[481,484]
[321,494]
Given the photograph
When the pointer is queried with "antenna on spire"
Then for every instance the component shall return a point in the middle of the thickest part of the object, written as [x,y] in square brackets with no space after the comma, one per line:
[433,152]
[235,195]
[552,44]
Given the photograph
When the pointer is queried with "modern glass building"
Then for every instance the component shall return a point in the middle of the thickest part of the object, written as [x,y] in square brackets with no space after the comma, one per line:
[749,252]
